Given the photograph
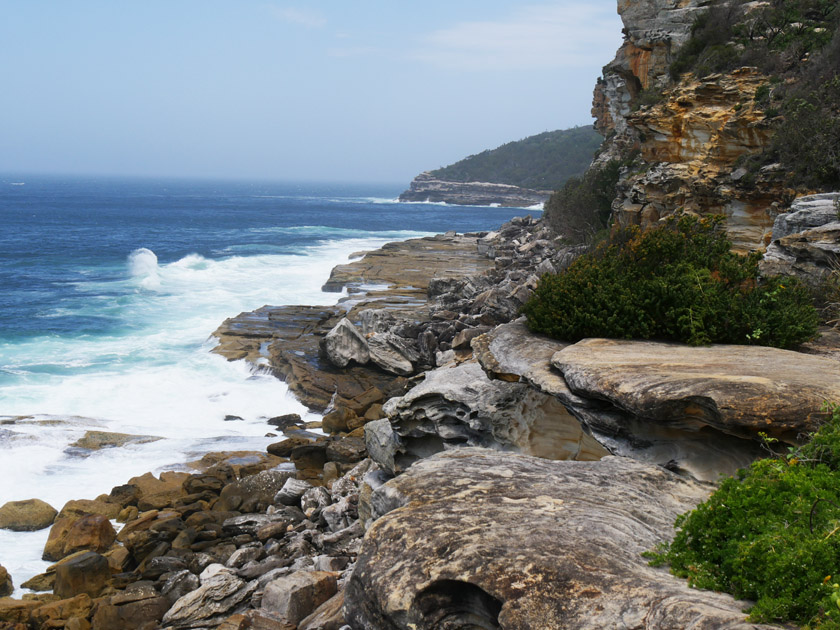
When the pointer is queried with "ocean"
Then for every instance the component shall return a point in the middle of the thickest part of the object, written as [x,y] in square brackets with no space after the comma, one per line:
[109,291]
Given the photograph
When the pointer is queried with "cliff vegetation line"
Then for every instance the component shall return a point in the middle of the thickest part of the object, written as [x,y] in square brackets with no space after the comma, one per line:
[541,162]
[796,43]
[679,282]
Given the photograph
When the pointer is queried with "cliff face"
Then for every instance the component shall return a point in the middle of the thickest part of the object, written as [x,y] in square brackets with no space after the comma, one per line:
[690,140]
[426,187]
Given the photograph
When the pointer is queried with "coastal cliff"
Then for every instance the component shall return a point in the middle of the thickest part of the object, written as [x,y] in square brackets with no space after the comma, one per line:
[427,188]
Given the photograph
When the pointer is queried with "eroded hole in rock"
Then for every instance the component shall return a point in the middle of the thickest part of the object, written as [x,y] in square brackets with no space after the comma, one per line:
[454,605]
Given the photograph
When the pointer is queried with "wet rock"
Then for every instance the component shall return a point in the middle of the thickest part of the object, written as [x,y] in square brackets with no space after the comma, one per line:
[344,343]
[475,525]
[26,516]
[6,585]
[56,614]
[82,507]
[97,440]
[158,492]
[139,607]
[285,421]
[338,420]
[179,584]
[88,533]
[87,573]
[295,596]
[220,595]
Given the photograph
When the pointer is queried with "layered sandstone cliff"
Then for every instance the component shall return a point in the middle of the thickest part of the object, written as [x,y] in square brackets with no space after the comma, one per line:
[690,141]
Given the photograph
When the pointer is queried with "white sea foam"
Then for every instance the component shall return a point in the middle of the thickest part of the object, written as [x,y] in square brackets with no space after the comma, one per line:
[155,375]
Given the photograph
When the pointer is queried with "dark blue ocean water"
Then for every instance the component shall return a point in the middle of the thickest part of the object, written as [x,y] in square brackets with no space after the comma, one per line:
[58,233]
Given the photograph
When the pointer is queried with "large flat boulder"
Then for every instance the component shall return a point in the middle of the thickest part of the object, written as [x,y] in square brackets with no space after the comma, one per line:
[512,352]
[498,540]
[739,390]
[28,515]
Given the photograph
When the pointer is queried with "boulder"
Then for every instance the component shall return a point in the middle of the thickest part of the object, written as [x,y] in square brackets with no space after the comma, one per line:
[138,607]
[6,585]
[88,533]
[26,516]
[82,507]
[17,611]
[158,492]
[740,390]
[511,352]
[501,540]
[96,440]
[460,406]
[344,343]
[292,491]
[220,595]
[807,212]
[393,354]
[57,614]
[293,597]
[328,616]
[257,491]
[87,573]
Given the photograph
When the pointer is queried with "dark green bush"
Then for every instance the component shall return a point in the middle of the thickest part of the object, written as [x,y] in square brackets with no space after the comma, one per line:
[677,282]
[582,207]
[771,534]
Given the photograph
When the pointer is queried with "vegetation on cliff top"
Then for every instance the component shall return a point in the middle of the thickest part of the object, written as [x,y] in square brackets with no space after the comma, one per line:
[797,44]
[771,534]
[677,282]
[542,162]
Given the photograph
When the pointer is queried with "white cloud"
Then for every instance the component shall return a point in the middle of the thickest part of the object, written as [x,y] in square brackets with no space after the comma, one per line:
[302,17]
[541,36]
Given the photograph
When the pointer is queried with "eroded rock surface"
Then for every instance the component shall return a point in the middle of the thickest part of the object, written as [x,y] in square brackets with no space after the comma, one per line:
[738,389]
[530,544]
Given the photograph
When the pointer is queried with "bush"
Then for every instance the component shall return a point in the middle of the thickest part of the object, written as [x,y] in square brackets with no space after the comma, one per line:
[581,209]
[677,282]
[771,534]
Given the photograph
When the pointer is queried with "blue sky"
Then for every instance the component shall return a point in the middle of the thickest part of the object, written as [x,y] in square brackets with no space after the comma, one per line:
[318,90]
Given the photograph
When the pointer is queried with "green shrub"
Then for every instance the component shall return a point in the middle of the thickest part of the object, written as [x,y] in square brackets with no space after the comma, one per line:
[677,282]
[582,207]
[771,534]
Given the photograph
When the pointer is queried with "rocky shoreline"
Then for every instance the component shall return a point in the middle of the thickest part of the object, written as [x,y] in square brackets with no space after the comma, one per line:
[429,189]
[441,403]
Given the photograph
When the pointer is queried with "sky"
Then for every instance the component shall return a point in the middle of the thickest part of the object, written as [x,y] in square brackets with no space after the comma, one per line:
[329,90]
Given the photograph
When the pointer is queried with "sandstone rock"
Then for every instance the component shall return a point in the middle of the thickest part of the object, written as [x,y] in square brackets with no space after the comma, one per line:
[739,390]
[476,525]
[82,507]
[6,585]
[328,616]
[26,516]
[338,420]
[254,620]
[88,533]
[344,343]
[392,354]
[220,595]
[139,607]
[460,406]
[158,492]
[87,573]
[16,610]
[296,596]
[51,615]
[96,440]
[259,489]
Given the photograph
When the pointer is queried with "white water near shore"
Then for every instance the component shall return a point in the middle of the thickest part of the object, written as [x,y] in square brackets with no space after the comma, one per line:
[156,377]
